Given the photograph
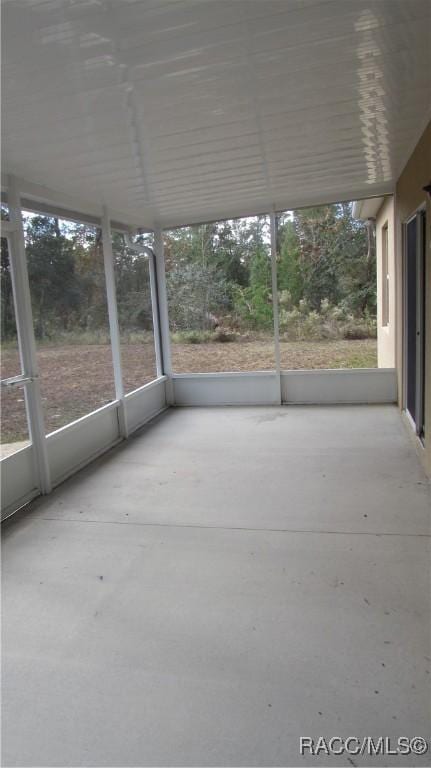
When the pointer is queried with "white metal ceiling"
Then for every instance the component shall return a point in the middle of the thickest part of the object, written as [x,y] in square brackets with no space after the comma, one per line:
[178,111]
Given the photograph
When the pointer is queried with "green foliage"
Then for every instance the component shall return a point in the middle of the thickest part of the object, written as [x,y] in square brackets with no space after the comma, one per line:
[219,273]
[326,254]
[133,289]
[222,272]
[65,267]
[253,303]
[218,279]
[191,337]
[202,337]
[298,323]
[289,274]
[8,327]
[196,293]
[55,284]
[67,282]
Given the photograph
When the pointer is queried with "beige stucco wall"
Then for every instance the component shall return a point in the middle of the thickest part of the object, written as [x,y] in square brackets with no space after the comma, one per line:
[386,334]
[409,197]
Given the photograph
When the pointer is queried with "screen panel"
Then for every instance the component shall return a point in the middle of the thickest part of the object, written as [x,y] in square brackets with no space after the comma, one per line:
[220,297]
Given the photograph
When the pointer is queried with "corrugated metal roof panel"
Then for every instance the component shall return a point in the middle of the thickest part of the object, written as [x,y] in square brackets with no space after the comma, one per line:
[176,112]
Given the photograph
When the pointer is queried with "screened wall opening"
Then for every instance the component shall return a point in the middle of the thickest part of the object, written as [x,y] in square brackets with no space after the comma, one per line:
[220,293]
[14,426]
[326,276]
[135,311]
[219,296]
[68,295]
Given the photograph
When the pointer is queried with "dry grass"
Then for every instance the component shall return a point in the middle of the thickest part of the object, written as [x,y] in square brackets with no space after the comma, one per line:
[76,379]
[259,355]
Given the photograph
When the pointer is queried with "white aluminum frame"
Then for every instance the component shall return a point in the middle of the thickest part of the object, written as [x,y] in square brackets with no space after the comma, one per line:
[324,386]
[163,312]
[56,456]
[50,459]
[155,310]
[337,386]
[273,229]
[114,329]
[26,340]
[146,252]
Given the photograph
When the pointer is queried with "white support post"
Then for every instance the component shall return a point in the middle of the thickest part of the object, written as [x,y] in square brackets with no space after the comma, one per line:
[273,228]
[155,311]
[26,340]
[163,312]
[108,258]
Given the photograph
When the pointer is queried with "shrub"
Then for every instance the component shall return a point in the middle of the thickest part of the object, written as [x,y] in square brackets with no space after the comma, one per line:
[355,332]
[312,325]
[360,329]
[191,337]
[202,337]
[300,323]
[223,337]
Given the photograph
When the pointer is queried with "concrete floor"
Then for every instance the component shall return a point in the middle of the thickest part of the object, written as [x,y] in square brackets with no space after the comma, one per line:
[228,580]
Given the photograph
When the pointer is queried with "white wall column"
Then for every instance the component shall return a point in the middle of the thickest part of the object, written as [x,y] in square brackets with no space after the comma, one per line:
[26,339]
[108,258]
[163,312]
[273,228]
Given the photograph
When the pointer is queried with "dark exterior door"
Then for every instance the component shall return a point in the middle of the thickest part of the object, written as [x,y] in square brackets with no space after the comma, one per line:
[415,319]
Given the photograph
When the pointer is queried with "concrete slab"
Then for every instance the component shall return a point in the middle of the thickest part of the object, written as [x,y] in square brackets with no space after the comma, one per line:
[337,469]
[151,617]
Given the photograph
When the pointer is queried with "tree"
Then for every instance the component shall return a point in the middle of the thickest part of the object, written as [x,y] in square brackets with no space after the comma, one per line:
[217,273]
[289,274]
[55,287]
[254,302]
[8,327]
[133,288]
[326,255]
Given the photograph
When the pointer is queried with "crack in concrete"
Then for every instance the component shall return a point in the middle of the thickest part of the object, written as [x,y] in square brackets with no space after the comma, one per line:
[235,528]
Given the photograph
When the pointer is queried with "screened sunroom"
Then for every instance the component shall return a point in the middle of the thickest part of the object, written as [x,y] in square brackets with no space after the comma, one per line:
[216,388]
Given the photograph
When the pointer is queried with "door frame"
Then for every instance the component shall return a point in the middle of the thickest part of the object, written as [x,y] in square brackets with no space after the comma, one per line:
[14,232]
[415,215]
